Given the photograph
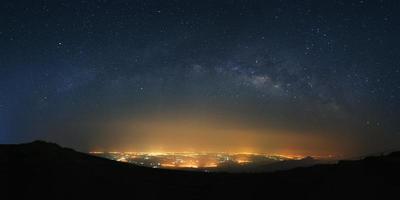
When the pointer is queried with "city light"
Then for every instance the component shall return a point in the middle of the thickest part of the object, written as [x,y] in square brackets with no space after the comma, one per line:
[194,160]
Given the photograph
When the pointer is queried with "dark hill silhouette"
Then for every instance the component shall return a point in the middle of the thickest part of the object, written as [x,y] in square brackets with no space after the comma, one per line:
[42,170]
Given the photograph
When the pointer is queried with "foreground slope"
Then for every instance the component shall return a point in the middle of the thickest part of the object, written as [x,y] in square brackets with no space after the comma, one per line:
[48,171]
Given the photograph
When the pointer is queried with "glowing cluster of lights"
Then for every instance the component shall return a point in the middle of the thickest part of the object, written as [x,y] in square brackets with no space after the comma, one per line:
[189,159]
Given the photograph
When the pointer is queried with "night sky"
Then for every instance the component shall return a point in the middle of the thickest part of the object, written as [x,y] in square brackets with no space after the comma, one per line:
[306,77]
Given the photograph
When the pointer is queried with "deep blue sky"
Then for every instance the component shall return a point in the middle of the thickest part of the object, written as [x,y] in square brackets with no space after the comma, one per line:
[328,70]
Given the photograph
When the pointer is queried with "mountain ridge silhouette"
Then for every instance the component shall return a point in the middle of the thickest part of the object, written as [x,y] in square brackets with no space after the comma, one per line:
[48,171]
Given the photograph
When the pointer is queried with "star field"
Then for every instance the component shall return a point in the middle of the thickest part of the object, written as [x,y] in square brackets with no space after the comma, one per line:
[327,69]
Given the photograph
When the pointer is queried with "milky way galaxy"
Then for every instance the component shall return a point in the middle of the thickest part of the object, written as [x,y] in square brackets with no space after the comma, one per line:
[310,77]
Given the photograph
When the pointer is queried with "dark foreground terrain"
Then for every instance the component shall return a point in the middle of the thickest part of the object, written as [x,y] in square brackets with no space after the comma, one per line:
[41,170]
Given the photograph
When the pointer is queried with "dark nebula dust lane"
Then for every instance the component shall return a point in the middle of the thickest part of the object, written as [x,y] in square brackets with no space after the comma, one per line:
[303,77]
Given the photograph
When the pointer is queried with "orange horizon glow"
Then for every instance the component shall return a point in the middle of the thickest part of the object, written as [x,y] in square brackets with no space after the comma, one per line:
[189,133]
[239,160]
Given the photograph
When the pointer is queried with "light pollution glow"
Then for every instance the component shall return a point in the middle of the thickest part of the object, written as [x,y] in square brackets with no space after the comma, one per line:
[208,133]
